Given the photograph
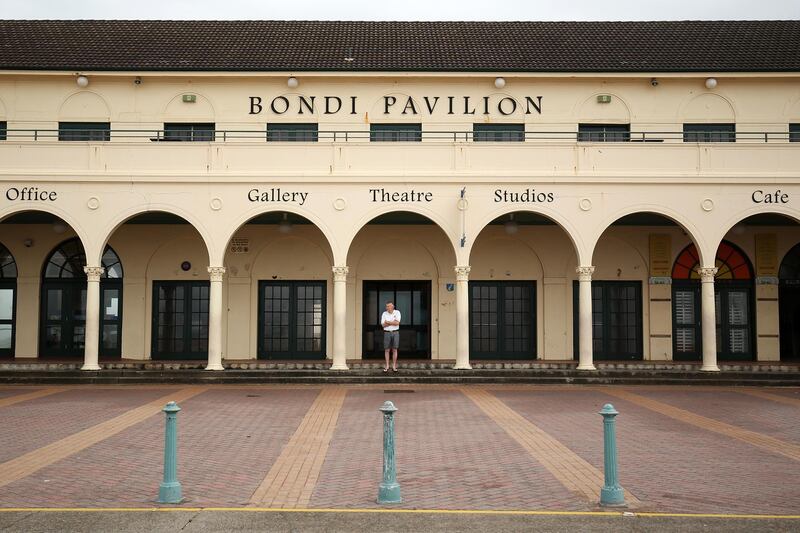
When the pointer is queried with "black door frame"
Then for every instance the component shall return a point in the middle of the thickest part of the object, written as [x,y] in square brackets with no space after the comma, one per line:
[719,288]
[426,286]
[789,336]
[187,323]
[501,353]
[602,355]
[68,322]
[292,353]
[10,283]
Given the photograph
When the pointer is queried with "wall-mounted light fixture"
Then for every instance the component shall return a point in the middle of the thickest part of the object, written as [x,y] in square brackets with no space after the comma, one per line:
[654,82]
[137,80]
[285,226]
[59,226]
[28,243]
[511,226]
[82,81]
[292,82]
[711,83]
[499,82]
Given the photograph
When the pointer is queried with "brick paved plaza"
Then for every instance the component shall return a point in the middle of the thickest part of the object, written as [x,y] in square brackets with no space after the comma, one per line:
[523,447]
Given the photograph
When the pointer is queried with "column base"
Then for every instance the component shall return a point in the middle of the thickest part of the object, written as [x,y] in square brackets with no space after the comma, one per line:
[94,366]
[337,366]
[462,366]
[709,368]
[170,492]
[586,367]
[217,366]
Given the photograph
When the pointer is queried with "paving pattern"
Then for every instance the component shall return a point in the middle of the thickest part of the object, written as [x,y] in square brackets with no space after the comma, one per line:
[521,447]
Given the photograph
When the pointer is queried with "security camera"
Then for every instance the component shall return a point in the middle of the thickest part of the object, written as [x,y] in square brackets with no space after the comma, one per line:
[137,80]
[653,82]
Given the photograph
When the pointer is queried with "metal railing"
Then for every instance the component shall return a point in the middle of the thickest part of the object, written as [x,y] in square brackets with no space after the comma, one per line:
[510,136]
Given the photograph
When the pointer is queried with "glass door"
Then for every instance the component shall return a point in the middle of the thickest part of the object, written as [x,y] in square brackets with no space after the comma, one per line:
[111,318]
[616,320]
[180,320]
[502,319]
[291,320]
[8,305]
[413,300]
[63,318]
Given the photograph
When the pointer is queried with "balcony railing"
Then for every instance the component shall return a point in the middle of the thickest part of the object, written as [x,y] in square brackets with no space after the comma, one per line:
[229,136]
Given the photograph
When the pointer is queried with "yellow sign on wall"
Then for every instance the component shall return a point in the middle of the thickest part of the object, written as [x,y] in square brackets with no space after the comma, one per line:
[660,255]
[766,255]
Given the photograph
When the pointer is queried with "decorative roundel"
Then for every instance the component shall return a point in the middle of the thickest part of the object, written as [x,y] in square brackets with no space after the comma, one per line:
[585,204]
[463,204]
[93,203]
[215,204]
[186,266]
[731,263]
[707,204]
[339,204]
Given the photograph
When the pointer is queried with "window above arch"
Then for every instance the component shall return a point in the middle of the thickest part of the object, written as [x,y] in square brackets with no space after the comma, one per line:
[69,258]
[731,263]
[8,266]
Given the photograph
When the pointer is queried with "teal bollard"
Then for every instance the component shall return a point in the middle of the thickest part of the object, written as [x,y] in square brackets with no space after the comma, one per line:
[611,494]
[389,491]
[170,490]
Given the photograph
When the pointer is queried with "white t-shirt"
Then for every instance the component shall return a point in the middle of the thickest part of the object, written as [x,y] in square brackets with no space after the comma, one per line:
[388,317]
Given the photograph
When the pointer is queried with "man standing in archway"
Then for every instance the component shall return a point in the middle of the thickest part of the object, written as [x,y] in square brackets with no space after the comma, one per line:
[390,321]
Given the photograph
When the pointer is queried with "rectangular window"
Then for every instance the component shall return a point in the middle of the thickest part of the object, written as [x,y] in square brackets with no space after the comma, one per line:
[84,131]
[3,130]
[297,132]
[616,319]
[498,132]
[794,132]
[395,132]
[189,131]
[709,133]
[599,133]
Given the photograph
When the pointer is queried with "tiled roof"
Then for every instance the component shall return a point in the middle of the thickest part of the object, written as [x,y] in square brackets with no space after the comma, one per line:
[141,45]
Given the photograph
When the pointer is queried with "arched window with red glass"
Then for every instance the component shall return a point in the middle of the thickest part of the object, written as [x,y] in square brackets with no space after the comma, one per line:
[733,291]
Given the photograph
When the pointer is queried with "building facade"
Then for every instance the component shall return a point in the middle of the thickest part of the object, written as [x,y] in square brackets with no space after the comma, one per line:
[239,191]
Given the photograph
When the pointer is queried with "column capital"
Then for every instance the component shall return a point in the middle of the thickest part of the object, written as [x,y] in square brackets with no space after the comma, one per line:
[340,273]
[94,273]
[216,273]
[707,274]
[462,272]
[585,273]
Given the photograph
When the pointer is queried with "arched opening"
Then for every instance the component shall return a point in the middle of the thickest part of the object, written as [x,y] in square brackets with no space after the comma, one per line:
[789,302]
[521,263]
[29,236]
[631,286]
[62,322]
[8,302]
[734,302]
[408,259]
[166,308]
[279,275]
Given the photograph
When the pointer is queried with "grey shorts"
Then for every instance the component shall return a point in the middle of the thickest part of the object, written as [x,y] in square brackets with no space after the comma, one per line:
[391,339]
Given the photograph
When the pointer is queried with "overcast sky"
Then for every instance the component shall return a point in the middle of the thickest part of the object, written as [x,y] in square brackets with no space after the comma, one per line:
[403,9]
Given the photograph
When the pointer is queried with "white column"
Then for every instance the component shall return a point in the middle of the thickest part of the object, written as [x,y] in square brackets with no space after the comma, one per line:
[215,275]
[340,318]
[462,318]
[585,356]
[708,319]
[92,326]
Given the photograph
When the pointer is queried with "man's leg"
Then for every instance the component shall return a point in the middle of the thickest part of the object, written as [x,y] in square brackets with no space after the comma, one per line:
[386,356]
[394,353]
